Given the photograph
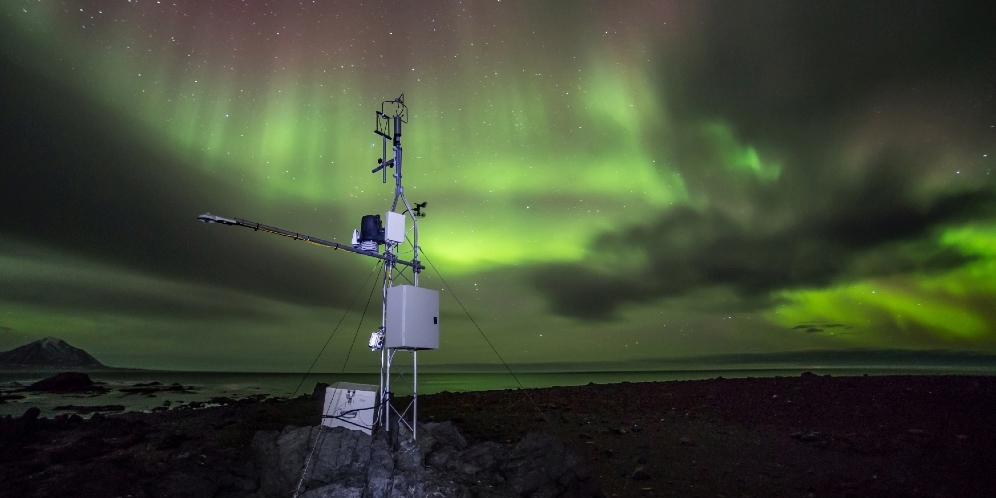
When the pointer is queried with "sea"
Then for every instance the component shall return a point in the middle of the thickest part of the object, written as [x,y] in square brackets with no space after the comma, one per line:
[201,387]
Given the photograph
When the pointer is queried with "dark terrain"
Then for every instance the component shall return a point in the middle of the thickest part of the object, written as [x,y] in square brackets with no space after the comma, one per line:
[800,436]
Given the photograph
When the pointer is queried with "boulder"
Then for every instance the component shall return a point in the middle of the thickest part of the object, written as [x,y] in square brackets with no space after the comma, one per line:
[280,458]
[541,465]
[443,433]
[66,382]
[381,467]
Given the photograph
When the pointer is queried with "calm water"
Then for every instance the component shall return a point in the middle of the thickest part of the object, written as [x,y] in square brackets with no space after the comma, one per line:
[207,385]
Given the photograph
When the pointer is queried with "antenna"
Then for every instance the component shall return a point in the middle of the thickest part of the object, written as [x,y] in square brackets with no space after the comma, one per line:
[388,125]
[409,313]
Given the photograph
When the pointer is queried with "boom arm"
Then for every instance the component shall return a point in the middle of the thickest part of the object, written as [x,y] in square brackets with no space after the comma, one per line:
[210,218]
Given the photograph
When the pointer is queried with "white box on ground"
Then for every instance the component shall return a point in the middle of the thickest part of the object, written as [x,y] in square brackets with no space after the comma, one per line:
[349,405]
[412,318]
[394,229]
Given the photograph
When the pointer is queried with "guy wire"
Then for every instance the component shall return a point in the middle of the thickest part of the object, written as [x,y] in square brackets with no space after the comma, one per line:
[320,437]
[358,292]
[362,316]
[521,387]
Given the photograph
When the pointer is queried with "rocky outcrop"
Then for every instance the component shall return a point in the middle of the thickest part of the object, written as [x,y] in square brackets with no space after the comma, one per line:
[319,462]
[66,382]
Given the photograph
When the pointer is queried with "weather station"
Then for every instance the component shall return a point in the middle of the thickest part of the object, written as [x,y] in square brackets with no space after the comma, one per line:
[409,313]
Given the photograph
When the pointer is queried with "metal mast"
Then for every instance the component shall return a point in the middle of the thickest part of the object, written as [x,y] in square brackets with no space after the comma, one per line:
[366,241]
[392,116]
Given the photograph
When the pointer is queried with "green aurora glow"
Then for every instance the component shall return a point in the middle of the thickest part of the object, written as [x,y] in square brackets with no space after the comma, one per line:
[562,149]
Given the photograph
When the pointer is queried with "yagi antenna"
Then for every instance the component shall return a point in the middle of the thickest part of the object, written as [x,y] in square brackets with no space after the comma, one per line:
[410,314]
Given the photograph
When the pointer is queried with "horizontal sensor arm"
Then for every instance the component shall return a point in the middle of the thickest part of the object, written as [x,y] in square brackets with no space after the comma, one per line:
[210,218]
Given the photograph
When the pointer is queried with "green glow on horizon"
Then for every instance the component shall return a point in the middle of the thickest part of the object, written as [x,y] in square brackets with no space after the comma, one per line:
[935,302]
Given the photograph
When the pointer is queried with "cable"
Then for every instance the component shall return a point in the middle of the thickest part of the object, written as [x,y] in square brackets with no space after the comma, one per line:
[306,374]
[521,387]
[359,325]
[320,438]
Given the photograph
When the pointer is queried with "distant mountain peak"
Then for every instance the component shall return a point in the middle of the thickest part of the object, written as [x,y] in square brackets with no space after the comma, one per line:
[50,352]
[53,342]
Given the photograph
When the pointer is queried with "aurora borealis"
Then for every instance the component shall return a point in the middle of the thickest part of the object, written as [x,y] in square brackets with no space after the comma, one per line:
[610,184]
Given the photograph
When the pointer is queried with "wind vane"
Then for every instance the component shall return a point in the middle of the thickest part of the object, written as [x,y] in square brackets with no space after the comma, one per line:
[409,313]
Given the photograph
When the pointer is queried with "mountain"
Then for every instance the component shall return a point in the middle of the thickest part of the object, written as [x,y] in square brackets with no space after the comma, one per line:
[50,352]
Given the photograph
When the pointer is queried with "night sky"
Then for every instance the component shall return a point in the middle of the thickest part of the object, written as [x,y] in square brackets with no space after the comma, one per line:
[610,185]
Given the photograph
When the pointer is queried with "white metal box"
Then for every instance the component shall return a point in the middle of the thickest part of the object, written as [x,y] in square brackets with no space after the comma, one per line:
[349,405]
[412,318]
[394,229]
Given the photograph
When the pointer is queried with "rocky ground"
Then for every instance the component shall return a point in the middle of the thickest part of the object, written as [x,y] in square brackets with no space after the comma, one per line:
[799,436]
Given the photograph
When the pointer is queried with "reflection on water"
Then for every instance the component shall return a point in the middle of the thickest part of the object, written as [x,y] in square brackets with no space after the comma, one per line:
[207,385]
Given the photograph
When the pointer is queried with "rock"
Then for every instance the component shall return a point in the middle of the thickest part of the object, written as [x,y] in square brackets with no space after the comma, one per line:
[336,490]
[805,436]
[149,389]
[280,458]
[90,409]
[319,392]
[640,474]
[340,456]
[66,382]
[444,458]
[437,485]
[483,457]
[85,448]
[405,485]
[540,461]
[351,464]
[171,441]
[4,397]
[20,430]
[408,455]
[444,433]
[380,468]
[31,414]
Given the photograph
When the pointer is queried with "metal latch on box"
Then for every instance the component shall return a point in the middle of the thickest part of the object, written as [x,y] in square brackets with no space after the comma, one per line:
[340,413]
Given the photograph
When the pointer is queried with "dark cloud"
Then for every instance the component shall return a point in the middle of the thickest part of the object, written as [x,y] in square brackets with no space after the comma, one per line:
[11,338]
[789,78]
[812,328]
[877,227]
[783,70]
[154,302]
[79,179]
